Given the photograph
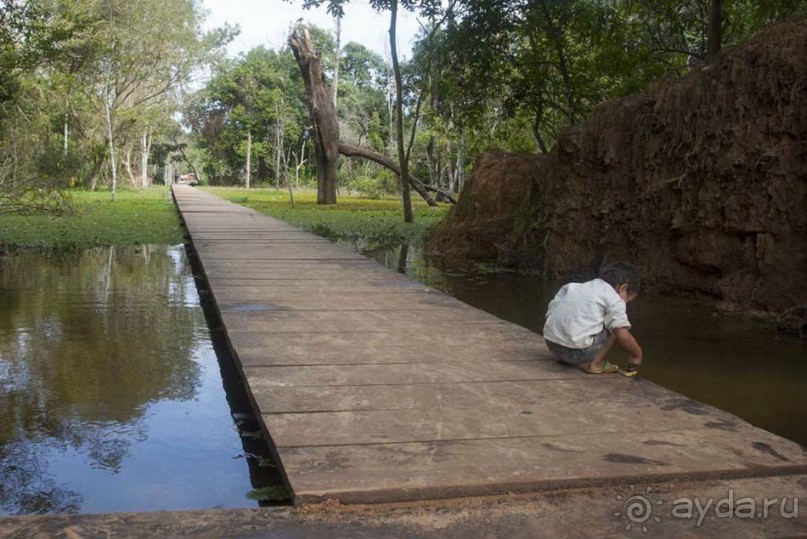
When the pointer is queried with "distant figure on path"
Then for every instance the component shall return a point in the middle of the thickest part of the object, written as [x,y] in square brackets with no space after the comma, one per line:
[585,319]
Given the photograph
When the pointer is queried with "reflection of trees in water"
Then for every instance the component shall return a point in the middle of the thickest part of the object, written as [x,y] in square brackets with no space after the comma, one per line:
[87,342]
[26,487]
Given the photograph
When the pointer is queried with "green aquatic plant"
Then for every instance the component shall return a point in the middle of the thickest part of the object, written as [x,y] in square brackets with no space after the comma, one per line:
[137,217]
[273,493]
[372,223]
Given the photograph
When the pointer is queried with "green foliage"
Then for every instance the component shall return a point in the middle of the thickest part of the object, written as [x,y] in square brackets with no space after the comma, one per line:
[135,218]
[76,73]
[368,187]
[257,94]
[503,69]
[363,106]
[273,493]
[353,219]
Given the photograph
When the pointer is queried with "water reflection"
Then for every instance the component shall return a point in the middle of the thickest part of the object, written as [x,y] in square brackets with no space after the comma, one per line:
[731,362]
[110,389]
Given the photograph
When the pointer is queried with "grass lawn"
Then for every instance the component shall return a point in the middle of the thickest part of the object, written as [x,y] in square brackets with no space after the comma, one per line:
[150,217]
[374,222]
[136,217]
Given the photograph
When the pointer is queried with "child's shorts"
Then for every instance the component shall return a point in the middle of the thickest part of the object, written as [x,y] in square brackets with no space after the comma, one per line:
[577,356]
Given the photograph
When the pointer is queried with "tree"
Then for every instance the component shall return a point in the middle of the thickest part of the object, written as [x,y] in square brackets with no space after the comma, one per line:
[249,107]
[715,24]
[503,68]
[324,125]
[427,8]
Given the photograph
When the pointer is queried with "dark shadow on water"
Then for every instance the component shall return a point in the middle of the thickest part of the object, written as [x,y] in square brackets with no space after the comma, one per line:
[729,361]
[263,469]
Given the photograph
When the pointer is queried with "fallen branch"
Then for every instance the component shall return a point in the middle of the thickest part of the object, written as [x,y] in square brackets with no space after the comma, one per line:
[423,189]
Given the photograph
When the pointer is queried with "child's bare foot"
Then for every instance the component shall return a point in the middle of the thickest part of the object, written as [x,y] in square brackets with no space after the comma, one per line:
[605,367]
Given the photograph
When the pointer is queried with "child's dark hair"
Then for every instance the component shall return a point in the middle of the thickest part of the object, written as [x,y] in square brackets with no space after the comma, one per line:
[619,273]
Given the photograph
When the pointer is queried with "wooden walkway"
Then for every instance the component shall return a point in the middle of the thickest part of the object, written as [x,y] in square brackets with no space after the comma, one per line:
[374,387]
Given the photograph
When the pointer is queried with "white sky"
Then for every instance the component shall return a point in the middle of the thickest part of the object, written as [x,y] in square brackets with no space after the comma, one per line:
[266,22]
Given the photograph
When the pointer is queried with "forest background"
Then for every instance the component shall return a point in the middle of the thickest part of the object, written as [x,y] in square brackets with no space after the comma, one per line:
[99,94]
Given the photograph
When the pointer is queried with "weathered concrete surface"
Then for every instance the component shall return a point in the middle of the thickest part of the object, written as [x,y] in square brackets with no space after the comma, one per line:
[575,513]
[375,388]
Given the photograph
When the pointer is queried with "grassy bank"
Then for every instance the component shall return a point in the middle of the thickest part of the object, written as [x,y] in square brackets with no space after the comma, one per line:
[374,222]
[136,217]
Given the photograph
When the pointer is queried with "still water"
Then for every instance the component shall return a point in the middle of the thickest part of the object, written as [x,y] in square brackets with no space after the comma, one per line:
[732,362]
[112,395]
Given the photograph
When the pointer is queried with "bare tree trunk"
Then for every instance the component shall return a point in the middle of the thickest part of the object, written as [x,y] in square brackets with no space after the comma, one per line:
[96,170]
[113,164]
[430,159]
[396,69]
[336,61]
[249,157]
[714,37]
[15,159]
[450,166]
[288,178]
[144,160]
[128,164]
[324,126]
[403,257]
[66,135]
[536,128]
[280,137]
[459,169]
[391,116]
[300,163]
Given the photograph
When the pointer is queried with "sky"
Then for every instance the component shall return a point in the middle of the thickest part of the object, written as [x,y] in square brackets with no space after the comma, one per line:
[266,22]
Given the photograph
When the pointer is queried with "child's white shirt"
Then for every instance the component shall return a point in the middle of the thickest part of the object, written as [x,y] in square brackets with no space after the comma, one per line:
[580,311]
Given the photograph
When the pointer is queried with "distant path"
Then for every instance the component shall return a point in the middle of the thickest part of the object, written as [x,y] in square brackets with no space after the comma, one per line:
[374,387]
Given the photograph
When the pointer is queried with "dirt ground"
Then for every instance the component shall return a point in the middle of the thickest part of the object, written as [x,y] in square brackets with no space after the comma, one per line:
[577,513]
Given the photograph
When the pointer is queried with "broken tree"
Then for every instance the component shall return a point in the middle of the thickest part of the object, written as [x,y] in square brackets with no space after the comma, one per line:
[325,128]
[324,125]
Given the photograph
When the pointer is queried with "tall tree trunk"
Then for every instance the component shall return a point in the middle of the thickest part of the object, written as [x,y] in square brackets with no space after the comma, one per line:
[96,170]
[249,156]
[336,61]
[324,126]
[459,169]
[536,127]
[127,161]
[299,164]
[391,116]
[66,135]
[280,139]
[714,38]
[15,159]
[396,68]
[144,160]
[112,162]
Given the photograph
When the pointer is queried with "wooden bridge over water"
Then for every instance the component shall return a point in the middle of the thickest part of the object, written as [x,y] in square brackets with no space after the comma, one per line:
[373,387]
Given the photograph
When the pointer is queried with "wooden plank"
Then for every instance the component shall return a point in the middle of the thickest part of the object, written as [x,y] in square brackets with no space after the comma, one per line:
[374,387]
